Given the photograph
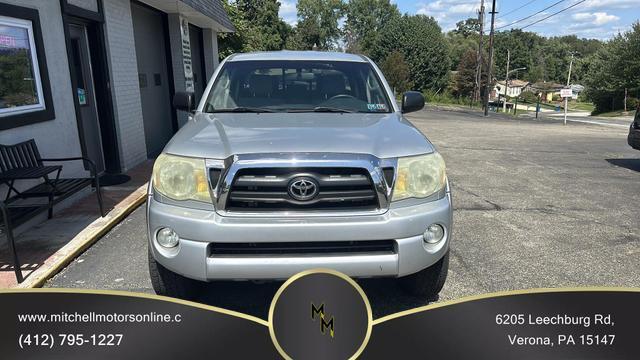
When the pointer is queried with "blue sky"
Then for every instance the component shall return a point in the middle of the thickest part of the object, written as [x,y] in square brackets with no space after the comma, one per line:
[600,19]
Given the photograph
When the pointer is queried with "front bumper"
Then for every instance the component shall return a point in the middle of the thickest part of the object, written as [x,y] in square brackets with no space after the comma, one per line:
[198,228]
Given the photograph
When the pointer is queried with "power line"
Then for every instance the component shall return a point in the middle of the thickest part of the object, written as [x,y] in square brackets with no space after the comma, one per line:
[516,9]
[530,16]
[554,14]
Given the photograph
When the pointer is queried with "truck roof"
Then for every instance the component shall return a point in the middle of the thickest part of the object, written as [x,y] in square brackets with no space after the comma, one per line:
[296,55]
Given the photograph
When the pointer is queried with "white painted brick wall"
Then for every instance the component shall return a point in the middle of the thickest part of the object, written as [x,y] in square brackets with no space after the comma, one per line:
[124,82]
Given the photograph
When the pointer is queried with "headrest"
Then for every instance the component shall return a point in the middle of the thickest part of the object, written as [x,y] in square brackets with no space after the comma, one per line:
[333,84]
[260,85]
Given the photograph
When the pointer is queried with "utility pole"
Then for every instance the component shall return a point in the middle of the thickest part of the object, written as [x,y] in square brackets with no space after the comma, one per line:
[506,83]
[566,99]
[489,76]
[625,100]
[478,84]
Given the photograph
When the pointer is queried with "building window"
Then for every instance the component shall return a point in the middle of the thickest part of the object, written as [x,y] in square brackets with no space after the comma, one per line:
[20,83]
[25,96]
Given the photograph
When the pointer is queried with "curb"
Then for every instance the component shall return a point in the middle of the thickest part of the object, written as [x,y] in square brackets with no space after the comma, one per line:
[84,239]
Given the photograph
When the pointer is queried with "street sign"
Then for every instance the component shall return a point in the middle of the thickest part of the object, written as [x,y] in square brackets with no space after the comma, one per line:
[566,93]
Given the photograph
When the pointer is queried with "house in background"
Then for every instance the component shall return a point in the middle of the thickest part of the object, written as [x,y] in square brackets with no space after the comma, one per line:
[545,89]
[576,89]
[95,78]
[514,89]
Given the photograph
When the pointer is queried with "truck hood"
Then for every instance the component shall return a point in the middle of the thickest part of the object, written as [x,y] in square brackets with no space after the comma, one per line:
[220,135]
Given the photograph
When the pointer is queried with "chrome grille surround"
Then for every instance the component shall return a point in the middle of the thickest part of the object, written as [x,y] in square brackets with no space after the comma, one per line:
[232,165]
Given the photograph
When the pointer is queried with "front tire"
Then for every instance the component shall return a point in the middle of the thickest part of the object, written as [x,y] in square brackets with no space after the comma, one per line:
[167,283]
[428,282]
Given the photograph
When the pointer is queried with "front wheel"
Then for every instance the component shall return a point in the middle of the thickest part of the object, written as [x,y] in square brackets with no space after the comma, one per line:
[166,282]
[428,282]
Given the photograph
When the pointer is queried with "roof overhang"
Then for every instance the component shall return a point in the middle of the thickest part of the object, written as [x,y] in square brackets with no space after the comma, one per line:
[212,16]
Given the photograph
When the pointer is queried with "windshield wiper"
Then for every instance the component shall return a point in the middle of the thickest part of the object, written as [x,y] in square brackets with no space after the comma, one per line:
[323,109]
[244,109]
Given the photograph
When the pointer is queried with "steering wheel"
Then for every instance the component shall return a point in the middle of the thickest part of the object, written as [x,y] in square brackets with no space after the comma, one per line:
[341,96]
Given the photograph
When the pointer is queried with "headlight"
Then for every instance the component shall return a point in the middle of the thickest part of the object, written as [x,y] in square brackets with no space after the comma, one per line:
[181,178]
[419,176]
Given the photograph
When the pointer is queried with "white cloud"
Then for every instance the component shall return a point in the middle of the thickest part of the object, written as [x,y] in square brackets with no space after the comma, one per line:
[448,12]
[609,4]
[596,18]
[288,11]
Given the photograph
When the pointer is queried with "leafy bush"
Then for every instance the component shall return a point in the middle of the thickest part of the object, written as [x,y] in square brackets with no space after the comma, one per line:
[529,96]
[396,71]
[612,69]
[435,97]
[420,40]
[465,78]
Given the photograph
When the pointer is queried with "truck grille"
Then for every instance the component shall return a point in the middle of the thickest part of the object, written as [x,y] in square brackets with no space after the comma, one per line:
[312,247]
[269,189]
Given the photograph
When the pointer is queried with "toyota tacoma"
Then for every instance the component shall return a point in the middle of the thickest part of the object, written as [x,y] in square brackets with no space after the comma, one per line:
[298,160]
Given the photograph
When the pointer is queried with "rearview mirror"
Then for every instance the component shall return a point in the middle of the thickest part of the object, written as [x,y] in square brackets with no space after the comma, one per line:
[184,101]
[412,101]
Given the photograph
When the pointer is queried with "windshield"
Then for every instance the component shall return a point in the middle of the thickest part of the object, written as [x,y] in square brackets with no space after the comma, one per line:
[297,86]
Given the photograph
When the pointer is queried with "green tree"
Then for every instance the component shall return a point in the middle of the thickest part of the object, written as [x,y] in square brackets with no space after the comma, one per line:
[522,47]
[465,77]
[317,25]
[258,27]
[396,71]
[459,46]
[364,20]
[420,40]
[546,59]
[468,27]
[612,69]
[269,31]
[555,62]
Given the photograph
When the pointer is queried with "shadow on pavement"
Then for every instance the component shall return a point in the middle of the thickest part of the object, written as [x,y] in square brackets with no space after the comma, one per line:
[631,164]
[385,296]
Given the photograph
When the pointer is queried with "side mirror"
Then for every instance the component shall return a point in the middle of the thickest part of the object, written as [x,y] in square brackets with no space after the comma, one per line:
[412,101]
[184,101]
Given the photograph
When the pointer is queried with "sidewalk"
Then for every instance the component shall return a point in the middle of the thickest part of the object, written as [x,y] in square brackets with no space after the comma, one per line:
[45,246]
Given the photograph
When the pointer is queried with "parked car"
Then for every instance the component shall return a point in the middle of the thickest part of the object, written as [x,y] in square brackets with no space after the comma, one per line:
[293,161]
[634,131]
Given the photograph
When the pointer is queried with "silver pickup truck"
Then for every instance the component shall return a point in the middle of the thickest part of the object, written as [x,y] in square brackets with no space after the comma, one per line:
[298,160]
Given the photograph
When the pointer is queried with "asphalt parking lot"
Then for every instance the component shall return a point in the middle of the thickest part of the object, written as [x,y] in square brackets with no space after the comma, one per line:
[537,204]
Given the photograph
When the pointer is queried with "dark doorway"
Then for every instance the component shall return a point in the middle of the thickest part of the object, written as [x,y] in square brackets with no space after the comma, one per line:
[197,61]
[86,51]
[85,95]
[153,77]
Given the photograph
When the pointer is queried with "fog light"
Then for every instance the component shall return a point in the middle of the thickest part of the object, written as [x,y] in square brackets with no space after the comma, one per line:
[167,238]
[433,234]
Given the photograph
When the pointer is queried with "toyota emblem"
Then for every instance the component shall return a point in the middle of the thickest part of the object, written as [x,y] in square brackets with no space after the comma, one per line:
[303,188]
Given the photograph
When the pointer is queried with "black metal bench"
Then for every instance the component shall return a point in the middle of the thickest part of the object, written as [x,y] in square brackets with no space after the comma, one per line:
[23,162]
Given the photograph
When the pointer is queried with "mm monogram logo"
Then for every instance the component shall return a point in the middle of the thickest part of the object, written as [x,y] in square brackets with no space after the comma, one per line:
[324,324]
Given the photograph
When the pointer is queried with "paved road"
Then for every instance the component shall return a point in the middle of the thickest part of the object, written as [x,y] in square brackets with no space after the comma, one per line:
[614,121]
[537,204]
